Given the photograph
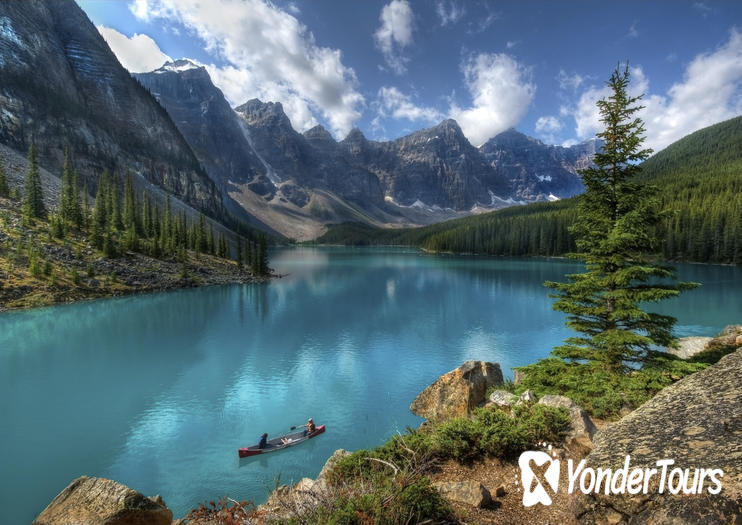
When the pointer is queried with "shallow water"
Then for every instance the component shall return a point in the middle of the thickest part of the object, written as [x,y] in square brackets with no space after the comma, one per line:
[158,391]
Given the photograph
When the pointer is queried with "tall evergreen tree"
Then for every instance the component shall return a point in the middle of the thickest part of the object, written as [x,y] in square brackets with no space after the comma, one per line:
[262,257]
[239,252]
[33,204]
[100,213]
[69,205]
[130,205]
[4,188]
[614,233]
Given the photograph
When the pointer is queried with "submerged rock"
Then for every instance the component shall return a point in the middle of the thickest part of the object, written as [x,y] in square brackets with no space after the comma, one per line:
[458,392]
[697,422]
[98,501]
[470,492]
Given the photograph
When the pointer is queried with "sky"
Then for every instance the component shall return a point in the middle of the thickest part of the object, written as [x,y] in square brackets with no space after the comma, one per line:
[391,67]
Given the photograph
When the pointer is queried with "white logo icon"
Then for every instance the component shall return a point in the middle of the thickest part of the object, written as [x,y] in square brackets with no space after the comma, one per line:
[536,492]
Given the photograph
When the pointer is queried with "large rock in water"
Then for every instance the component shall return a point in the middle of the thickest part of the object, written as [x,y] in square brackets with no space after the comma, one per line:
[698,423]
[97,501]
[456,393]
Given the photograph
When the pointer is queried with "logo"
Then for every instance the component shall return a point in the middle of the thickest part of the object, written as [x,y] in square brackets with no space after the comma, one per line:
[540,472]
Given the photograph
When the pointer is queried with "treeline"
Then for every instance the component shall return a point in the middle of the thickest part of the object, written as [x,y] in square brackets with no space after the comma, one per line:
[123,221]
[699,186]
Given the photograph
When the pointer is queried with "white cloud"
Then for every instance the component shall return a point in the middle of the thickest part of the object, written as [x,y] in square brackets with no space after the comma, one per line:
[449,11]
[395,34]
[501,91]
[138,54]
[633,31]
[709,92]
[269,55]
[548,125]
[567,81]
[510,44]
[393,103]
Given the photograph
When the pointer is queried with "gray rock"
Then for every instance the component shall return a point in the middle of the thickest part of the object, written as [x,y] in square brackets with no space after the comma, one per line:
[527,397]
[470,492]
[687,347]
[503,398]
[698,423]
[518,376]
[97,501]
[581,424]
[338,454]
[458,392]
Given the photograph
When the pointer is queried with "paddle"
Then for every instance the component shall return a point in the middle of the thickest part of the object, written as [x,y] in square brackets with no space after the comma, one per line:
[294,427]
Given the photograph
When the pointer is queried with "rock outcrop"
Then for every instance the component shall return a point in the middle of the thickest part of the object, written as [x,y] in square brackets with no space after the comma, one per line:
[582,429]
[697,422]
[502,398]
[470,492]
[687,347]
[97,501]
[457,392]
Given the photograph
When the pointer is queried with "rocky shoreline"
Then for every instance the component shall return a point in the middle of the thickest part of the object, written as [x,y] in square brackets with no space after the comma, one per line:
[696,421]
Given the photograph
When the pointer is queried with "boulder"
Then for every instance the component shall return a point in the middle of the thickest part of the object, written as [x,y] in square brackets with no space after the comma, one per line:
[457,392]
[338,454]
[527,397]
[697,422]
[518,376]
[582,428]
[687,347]
[98,501]
[470,492]
[503,398]
[727,338]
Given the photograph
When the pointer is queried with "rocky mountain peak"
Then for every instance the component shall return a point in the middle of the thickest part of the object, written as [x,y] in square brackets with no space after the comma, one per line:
[259,113]
[179,66]
[318,134]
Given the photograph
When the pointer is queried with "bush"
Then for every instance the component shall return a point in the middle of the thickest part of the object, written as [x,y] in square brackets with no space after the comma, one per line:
[600,391]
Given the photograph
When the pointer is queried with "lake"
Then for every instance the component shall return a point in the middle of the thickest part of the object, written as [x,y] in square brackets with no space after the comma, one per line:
[158,391]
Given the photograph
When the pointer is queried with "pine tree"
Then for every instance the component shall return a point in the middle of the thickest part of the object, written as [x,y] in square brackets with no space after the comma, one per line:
[33,205]
[262,256]
[614,233]
[210,240]
[85,212]
[239,252]
[114,205]
[69,205]
[130,206]
[4,188]
[100,213]
[200,243]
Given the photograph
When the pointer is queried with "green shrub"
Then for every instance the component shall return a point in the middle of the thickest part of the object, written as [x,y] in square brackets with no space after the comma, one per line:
[600,391]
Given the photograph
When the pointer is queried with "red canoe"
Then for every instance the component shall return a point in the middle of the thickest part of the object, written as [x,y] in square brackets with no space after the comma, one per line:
[281,442]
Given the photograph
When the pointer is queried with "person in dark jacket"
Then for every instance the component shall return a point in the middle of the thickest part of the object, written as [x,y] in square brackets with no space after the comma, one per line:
[263,440]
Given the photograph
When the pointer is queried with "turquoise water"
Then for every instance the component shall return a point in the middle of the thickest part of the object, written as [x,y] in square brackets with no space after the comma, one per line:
[158,391]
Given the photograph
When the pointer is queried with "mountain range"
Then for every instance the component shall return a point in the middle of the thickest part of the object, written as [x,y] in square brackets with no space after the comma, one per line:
[298,182]
[173,129]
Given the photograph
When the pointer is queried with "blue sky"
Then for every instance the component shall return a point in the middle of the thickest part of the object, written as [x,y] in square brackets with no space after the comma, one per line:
[391,67]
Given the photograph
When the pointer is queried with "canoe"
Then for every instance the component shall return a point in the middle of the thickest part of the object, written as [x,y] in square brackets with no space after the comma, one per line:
[280,442]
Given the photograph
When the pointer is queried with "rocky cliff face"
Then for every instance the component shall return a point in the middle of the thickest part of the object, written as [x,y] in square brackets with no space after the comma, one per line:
[62,86]
[206,120]
[536,171]
[697,422]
